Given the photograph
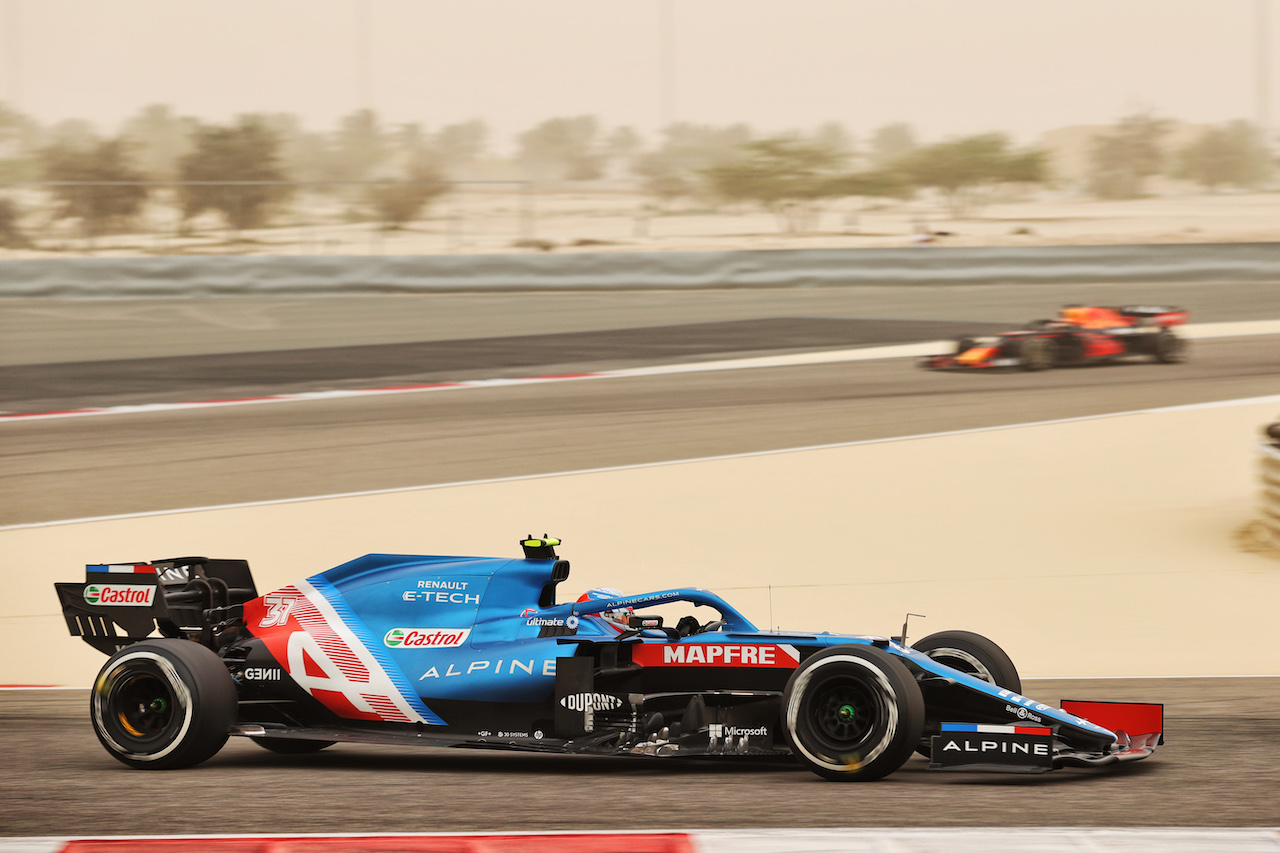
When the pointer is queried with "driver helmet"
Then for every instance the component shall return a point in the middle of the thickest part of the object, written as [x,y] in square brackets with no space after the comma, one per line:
[619,619]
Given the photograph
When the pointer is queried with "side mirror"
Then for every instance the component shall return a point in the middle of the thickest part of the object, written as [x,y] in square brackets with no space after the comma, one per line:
[640,623]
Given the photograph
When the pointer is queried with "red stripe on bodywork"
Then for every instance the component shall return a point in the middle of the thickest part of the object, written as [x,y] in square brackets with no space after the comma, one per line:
[675,842]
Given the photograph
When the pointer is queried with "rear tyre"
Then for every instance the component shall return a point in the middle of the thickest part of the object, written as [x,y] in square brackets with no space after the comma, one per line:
[972,654]
[853,713]
[1169,348]
[163,704]
[292,746]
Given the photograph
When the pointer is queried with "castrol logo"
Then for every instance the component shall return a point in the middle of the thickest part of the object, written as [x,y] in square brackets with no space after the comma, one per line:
[425,638]
[119,595]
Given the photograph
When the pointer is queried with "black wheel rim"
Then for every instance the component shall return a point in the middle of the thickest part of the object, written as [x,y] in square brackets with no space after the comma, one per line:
[846,715]
[141,708]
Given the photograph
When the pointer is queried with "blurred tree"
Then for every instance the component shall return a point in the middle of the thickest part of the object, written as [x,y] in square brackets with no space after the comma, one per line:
[662,178]
[674,170]
[562,149]
[785,175]
[245,151]
[19,141]
[158,139]
[11,236]
[834,136]
[456,146]
[360,146]
[304,155]
[100,194]
[72,133]
[17,132]
[874,183]
[411,150]
[1121,160]
[892,142]
[1233,154]
[447,153]
[965,170]
[623,147]
[397,203]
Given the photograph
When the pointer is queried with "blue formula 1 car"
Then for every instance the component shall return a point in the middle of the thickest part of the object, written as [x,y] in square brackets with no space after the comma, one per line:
[476,652]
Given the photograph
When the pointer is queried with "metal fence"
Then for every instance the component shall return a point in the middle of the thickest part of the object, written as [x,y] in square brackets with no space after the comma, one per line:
[115,218]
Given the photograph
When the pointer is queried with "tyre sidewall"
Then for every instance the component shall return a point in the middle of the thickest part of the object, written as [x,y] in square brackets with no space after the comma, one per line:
[1036,354]
[896,732]
[989,662]
[196,682]
[1169,348]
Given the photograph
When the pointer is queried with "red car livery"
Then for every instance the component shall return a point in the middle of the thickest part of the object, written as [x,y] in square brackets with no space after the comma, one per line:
[1080,334]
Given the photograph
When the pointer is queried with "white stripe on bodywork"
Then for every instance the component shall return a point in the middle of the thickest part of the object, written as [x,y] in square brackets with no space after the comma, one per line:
[379,694]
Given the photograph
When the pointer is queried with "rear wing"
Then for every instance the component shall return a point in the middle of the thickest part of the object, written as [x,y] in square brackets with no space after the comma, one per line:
[1160,315]
[193,598]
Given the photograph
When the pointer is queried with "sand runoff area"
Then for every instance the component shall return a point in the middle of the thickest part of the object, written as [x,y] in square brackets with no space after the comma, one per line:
[1095,547]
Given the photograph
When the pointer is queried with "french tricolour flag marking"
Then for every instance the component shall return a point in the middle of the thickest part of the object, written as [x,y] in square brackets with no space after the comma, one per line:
[123,569]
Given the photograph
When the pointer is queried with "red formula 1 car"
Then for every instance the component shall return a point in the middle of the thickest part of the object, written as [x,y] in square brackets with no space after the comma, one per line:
[1079,335]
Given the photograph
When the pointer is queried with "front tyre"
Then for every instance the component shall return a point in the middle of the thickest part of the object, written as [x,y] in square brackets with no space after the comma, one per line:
[1036,354]
[163,704]
[1168,348]
[972,654]
[853,713]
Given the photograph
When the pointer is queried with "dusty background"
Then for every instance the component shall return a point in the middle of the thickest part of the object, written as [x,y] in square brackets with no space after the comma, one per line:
[605,217]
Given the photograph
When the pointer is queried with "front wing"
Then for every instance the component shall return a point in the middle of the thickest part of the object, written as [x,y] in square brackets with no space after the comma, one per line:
[1138,727]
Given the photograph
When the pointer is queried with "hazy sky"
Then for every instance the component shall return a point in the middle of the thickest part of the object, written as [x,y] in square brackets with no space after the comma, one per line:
[947,66]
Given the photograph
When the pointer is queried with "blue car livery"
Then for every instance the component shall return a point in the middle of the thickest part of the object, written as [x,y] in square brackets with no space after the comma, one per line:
[478,652]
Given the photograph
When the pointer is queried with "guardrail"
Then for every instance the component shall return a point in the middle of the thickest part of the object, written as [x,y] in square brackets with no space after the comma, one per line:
[294,274]
[1269,471]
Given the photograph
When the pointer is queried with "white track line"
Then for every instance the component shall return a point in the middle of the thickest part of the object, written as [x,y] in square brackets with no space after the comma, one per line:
[1201,331]
[1217,404]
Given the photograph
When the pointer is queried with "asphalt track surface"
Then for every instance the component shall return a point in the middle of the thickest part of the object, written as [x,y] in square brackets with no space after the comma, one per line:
[76,354]
[107,465]
[1221,764]
[1220,767]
